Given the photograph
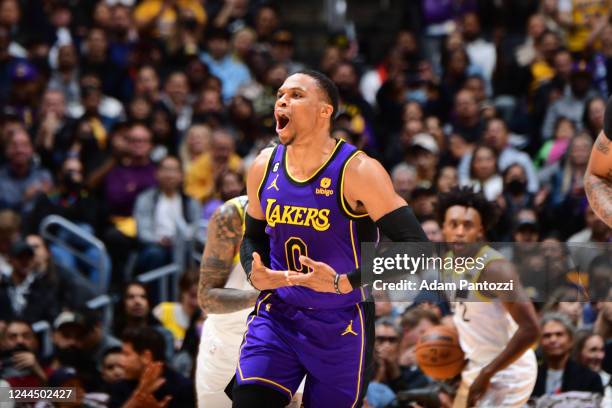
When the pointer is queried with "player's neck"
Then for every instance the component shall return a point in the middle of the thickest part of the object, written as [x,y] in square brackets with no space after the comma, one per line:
[557,363]
[305,156]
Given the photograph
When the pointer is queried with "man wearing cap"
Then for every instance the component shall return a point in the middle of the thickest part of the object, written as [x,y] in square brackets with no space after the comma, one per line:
[282,51]
[24,294]
[423,153]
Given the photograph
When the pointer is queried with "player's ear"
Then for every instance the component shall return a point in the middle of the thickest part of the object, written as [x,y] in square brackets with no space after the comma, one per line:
[326,110]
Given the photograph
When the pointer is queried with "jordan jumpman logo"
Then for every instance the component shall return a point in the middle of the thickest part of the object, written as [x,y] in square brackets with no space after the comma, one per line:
[349,330]
[273,184]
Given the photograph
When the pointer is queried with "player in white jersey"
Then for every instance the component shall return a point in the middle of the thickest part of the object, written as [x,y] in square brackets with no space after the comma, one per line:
[227,298]
[497,325]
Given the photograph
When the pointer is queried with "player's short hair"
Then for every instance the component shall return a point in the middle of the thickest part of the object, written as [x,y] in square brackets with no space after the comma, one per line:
[467,197]
[327,86]
[561,319]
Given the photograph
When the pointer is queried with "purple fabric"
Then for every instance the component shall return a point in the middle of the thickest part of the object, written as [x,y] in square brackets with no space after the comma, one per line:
[283,343]
[439,11]
[123,184]
[305,218]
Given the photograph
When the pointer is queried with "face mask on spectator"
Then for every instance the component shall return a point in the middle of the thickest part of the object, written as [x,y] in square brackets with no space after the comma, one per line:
[516,186]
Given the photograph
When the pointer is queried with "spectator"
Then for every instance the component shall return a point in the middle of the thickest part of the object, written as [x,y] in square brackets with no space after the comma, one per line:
[176,316]
[228,185]
[112,369]
[134,311]
[432,229]
[176,99]
[415,321]
[24,294]
[143,362]
[199,181]
[10,224]
[553,151]
[467,121]
[232,73]
[599,276]
[603,327]
[483,173]
[567,302]
[21,179]
[579,21]
[496,135]
[159,19]
[424,155]
[589,351]
[22,366]
[559,372]
[65,75]
[482,52]
[163,214]
[282,51]
[146,84]
[196,142]
[404,178]
[526,52]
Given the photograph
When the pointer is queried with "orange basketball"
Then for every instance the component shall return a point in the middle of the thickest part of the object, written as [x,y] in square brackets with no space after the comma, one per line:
[439,354]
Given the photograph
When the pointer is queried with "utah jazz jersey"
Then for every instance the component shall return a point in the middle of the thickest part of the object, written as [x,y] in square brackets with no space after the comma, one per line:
[310,217]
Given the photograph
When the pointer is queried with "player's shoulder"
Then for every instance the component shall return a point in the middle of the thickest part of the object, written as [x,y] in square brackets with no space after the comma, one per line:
[363,166]
[261,160]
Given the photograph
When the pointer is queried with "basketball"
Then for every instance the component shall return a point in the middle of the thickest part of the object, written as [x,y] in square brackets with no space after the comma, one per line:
[439,354]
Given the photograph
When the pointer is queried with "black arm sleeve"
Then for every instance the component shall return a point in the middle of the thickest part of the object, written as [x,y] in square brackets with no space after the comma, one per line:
[608,119]
[255,240]
[400,225]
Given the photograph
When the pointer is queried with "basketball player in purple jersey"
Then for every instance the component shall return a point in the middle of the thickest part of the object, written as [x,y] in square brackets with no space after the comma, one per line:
[312,201]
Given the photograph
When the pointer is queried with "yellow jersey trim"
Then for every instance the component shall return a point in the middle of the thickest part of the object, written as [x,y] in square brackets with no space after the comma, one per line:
[353,244]
[360,358]
[333,153]
[242,377]
[342,200]
[265,175]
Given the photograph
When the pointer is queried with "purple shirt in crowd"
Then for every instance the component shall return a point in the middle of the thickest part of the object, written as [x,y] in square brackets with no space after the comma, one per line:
[123,184]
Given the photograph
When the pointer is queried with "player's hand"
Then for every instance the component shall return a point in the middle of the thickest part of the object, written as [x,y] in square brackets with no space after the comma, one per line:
[478,387]
[320,278]
[264,278]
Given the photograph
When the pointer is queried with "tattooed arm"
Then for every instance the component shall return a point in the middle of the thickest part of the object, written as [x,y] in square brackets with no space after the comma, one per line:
[222,244]
[598,179]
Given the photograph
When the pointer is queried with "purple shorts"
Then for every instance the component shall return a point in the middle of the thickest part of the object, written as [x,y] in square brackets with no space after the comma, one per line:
[332,348]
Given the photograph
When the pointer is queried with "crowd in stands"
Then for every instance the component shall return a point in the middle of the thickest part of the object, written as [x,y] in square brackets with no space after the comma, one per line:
[135,119]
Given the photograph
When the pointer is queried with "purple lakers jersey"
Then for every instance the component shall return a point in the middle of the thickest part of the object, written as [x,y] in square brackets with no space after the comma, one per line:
[310,217]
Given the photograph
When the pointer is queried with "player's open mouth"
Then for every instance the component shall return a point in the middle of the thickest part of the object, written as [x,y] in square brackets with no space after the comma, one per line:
[281,121]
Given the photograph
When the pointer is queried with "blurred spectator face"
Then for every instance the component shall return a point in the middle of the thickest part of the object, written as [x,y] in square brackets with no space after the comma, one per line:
[432,230]
[96,43]
[410,128]
[471,26]
[412,111]
[68,337]
[198,140]
[140,108]
[92,96]
[580,150]
[387,341]
[209,101]
[9,13]
[112,368]
[119,142]
[22,265]
[232,186]
[404,181]
[243,42]
[136,302]
[121,21]
[169,174]
[222,147]
[515,180]
[147,82]
[19,150]
[496,134]
[434,128]
[72,174]
[454,42]
[276,75]
[133,363]
[548,45]
[9,230]
[189,300]
[345,78]
[424,204]
[447,179]
[565,129]
[476,85]
[197,73]
[571,309]
[241,108]
[177,88]
[457,63]
[563,64]
[139,142]
[457,146]
[161,125]
[595,113]
[535,26]
[102,16]
[266,22]
[331,57]
[66,58]
[483,164]
[53,102]
[19,334]
[592,353]
[556,341]
[406,42]
[218,47]
[465,105]
[606,40]
[41,253]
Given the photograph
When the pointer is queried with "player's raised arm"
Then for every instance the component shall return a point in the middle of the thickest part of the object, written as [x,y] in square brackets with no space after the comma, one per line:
[222,244]
[598,176]
[519,306]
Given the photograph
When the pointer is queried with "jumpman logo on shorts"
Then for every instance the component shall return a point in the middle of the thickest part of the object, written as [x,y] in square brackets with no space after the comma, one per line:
[349,330]
[273,184]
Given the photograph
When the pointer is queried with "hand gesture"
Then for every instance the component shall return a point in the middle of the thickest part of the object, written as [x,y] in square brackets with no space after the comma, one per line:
[24,359]
[150,382]
[320,278]
[264,278]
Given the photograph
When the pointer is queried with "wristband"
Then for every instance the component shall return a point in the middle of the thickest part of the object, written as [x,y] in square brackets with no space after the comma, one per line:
[336,282]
